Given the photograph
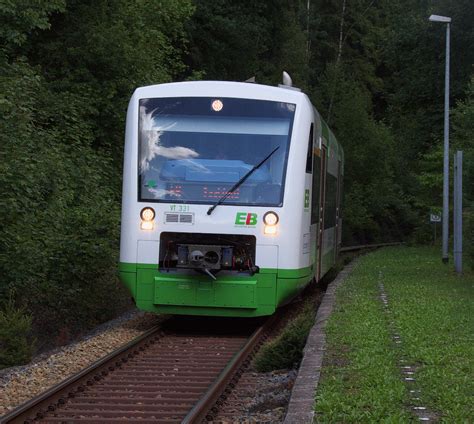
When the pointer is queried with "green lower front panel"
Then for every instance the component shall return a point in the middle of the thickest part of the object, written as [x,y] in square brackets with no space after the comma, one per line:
[229,295]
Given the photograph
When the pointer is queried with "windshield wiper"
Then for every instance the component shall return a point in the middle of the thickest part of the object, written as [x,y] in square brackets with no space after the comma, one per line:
[241,181]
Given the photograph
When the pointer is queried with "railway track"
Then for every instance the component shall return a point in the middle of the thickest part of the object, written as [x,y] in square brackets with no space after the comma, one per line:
[177,373]
[367,246]
[172,374]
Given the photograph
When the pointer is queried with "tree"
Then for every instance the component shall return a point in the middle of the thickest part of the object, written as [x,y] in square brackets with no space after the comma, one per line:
[67,72]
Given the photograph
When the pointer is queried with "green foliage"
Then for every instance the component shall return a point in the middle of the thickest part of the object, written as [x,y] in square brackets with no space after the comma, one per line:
[431,307]
[286,350]
[237,40]
[346,36]
[65,80]
[97,56]
[18,18]
[463,136]
[16,343]
[375,207]
[468,236]
[378,79]
[430,174]
[226,38]
[414,60]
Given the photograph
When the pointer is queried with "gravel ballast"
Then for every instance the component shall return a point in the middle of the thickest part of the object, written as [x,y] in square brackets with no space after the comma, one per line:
[20,384]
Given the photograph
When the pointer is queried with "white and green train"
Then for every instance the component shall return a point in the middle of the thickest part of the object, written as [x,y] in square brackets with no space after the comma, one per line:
[231,198]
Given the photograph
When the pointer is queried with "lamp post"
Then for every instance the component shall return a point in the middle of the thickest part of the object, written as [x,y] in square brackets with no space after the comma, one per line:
[446,20]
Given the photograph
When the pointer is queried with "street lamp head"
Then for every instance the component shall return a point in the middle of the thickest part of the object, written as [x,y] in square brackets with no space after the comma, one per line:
[437,18]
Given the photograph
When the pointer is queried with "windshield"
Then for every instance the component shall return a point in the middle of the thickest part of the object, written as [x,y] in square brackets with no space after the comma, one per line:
[194,149]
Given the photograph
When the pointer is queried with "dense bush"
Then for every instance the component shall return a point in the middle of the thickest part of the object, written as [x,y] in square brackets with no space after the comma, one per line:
[16,343]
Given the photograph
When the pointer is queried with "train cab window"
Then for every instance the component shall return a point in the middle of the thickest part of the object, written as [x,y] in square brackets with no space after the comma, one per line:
[194,149]
[309,155]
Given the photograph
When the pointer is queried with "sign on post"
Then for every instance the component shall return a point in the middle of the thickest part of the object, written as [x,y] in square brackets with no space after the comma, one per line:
[435,218]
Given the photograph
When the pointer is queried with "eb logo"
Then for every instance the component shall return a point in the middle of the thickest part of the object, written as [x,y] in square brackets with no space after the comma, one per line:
[244,218]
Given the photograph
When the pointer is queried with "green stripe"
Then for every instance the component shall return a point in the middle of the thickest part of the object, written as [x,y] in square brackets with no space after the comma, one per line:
[294,273]
[127,267]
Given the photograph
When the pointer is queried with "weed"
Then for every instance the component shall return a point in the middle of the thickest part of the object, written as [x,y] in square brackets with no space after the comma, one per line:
[286,350]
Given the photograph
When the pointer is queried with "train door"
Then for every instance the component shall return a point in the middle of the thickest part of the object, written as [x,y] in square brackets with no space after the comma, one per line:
[312,170]
[322,199]
[315,197]
[338,228]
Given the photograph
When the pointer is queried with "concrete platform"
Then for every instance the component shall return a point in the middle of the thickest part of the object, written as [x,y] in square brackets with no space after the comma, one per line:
[301,405]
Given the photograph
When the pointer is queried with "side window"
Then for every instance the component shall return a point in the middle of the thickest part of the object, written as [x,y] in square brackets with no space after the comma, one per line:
[309,155]
[331,202]
[316,190]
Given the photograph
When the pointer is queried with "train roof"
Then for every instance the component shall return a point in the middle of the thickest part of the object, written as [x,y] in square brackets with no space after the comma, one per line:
[222,89]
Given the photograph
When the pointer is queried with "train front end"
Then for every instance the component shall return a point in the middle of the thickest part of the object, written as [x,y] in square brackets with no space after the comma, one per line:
[213,199]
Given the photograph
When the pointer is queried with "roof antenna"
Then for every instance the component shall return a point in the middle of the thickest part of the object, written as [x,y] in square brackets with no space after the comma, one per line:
[287,79]
[288,83]
[251,79]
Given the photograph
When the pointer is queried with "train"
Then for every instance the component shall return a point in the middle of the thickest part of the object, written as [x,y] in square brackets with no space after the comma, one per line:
[231,200]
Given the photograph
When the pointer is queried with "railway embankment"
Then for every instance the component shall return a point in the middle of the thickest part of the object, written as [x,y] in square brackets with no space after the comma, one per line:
[20,384]
[398,342]
[392,341]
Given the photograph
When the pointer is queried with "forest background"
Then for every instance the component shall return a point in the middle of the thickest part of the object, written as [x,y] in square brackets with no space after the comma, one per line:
[373,68]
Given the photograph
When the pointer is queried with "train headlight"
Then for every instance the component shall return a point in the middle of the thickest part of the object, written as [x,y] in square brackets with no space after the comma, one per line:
[217,105]
[147,216]
[270,219]
[270,230]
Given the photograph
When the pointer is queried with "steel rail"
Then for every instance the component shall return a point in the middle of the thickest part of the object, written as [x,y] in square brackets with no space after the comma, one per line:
[369,246]
[47,401]
[231,373]
[73,389]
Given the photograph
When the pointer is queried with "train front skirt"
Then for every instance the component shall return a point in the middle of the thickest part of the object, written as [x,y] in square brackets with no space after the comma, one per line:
[240,295]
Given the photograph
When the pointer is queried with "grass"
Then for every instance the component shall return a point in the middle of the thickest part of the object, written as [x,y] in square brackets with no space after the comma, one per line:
[432,308]
[286,350]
